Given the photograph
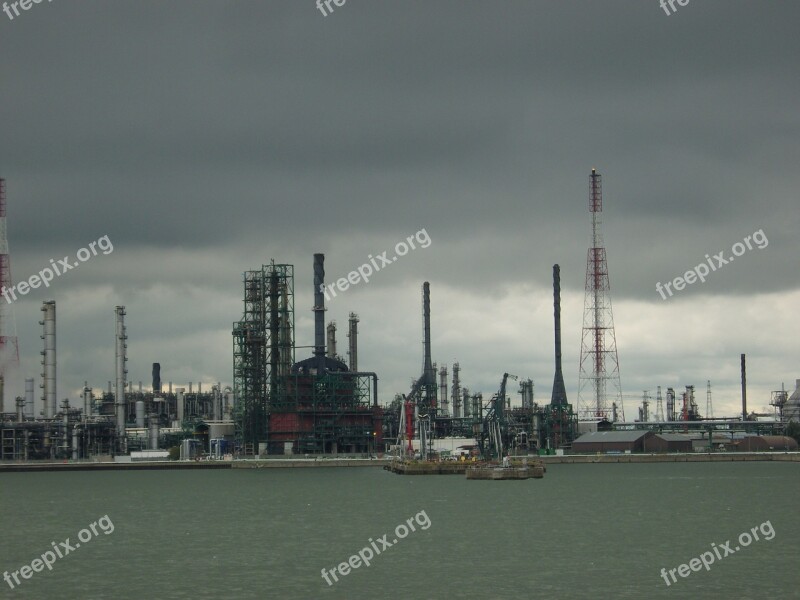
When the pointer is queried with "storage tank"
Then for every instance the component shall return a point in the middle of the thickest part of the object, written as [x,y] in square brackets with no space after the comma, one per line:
[154,431]
[140,414]
[791,411]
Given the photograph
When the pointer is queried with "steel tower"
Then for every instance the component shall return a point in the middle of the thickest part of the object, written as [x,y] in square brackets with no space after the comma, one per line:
[263,351]
[599,362]
[9,347]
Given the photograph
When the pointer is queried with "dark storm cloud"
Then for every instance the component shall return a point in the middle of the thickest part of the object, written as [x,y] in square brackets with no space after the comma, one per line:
[206,137]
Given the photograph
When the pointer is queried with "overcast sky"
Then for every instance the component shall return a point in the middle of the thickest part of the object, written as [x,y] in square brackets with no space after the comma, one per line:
[205,138]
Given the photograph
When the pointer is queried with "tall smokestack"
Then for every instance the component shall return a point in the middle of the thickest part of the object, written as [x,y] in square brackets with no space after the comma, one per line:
[744,389]
[429,372]
[121,371]
[559,396]
[319,311]
[156,378]
[49,359]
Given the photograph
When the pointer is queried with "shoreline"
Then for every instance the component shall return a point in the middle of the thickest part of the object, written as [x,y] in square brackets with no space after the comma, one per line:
[282,463]
[673,458]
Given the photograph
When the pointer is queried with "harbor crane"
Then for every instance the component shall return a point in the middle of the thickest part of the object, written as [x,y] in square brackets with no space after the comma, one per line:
[491,426]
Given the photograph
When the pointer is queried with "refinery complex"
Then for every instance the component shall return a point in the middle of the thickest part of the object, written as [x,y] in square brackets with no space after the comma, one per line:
[325,404]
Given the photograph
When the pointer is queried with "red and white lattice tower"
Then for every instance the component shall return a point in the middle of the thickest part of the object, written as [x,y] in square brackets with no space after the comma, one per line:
[9,348]
[599,363]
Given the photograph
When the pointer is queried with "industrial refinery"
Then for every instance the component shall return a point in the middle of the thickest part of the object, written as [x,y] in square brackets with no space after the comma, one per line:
[326,404]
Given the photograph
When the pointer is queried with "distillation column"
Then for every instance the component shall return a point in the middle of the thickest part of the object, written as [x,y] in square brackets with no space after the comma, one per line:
[29,397]
[455,391]
[49,359]
[121,371]
[332,339]
[445,410]
[352,334]
[87,400]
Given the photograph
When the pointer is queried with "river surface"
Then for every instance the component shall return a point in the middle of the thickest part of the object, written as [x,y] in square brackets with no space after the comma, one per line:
[584,531]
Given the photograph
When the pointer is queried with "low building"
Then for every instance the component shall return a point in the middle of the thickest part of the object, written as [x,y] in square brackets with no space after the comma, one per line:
[670,442]
[767,443]
[593,425]
[149,456]
[720,441]
[614,441]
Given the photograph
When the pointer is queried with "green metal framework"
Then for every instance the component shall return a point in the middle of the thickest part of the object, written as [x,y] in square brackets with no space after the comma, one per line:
[263,351]
[560,426]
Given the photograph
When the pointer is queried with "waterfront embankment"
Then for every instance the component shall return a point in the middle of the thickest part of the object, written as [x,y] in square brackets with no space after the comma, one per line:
[303,463]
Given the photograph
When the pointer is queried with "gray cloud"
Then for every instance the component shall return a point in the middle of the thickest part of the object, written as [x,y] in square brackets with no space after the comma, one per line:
[208,137]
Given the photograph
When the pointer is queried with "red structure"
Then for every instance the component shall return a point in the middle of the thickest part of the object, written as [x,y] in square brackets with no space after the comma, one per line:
[409,406]
[327,414]
[9,347]
[599,362]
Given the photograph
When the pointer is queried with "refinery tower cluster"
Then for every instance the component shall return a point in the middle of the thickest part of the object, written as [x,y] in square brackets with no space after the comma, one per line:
[327,404]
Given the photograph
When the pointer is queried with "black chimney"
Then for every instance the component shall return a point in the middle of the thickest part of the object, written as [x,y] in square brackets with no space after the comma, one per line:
[559,396]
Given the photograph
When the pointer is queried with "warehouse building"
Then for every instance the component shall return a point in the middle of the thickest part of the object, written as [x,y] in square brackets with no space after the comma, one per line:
[766,443]
[670,442]
[614,441]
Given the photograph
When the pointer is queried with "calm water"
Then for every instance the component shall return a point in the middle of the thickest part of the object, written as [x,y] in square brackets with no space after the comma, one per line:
[584,531]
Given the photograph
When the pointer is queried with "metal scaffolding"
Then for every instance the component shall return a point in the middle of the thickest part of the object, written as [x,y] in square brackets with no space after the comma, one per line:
[263,350]
[329,413]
